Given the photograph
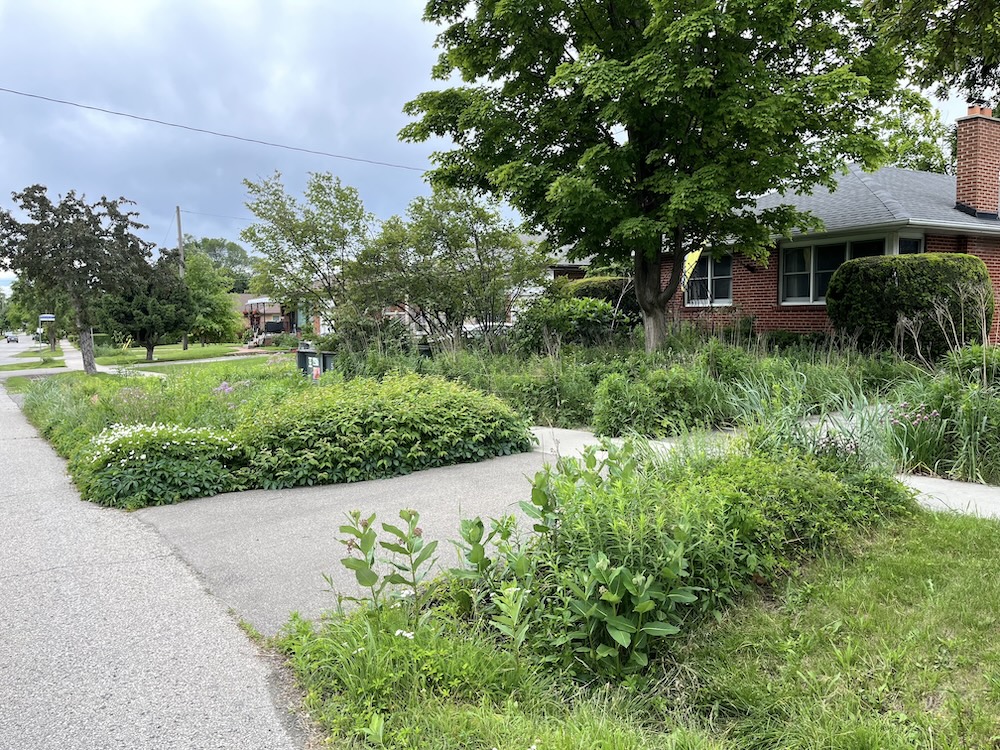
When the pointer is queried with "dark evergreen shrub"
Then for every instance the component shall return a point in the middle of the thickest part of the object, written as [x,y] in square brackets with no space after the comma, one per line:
[942,301]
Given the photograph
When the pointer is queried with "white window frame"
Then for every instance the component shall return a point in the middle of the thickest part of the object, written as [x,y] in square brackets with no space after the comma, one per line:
[891,246]
[909,236]
[710,301]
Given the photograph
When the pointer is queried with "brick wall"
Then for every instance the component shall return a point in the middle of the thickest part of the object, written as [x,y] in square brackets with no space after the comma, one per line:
[978,162]
[756,292]
[988,249]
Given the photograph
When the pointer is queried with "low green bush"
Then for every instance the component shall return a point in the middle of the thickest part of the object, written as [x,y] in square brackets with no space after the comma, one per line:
[635,548]
[134,466]
[947,297]
[549,323]
[364,429]
[664,402]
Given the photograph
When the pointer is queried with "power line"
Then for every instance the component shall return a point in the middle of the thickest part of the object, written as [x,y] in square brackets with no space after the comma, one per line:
[217,216]
[212,132]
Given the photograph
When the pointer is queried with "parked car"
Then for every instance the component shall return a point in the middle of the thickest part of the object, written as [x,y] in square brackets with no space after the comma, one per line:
[11,338]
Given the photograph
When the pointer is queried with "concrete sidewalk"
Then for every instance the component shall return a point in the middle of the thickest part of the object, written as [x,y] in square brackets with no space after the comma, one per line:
[107,639]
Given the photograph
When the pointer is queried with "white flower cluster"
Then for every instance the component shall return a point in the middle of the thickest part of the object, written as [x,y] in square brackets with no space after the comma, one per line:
[116,443]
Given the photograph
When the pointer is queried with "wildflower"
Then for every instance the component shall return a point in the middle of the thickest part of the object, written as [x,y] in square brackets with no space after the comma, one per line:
[405,634]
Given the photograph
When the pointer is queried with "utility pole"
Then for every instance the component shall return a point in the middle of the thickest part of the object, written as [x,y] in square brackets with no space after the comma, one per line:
[180,249]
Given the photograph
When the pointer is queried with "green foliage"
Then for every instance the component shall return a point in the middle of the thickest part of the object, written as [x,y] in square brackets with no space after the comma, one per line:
[304,246]
[948,427]
[618,290]
[634,548]
[73,253]
[943,301]
[156,304]
[229,259]
[215,317]
[975,364]
[664,402]
[548,323]
[453,259]
[548,88]
[362,429]
[134,466]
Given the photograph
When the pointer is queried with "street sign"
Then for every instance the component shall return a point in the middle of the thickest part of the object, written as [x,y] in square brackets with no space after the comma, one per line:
[46,318]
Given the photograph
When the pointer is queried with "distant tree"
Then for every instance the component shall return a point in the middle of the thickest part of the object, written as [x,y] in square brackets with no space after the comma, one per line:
[215,318]
[29,300]
[454,259]
[156,304]
[644,130]
[950,44]
[304,247]
[227,256]
[915,136]
[73,248]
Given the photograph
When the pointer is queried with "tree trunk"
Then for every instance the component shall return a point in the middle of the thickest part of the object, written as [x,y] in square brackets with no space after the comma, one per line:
[149,352]
[652,294]
[86,346]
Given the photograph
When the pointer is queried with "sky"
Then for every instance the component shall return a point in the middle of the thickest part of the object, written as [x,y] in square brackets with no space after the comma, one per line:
[326,75]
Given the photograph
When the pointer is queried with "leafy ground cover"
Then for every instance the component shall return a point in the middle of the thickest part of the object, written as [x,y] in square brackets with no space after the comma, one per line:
[166,353]
[873,634]
[134,441]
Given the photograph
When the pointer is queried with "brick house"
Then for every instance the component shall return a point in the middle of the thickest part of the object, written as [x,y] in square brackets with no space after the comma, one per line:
[888,212]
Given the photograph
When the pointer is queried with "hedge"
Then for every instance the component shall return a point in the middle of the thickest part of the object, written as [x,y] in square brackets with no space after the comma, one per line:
[868,297]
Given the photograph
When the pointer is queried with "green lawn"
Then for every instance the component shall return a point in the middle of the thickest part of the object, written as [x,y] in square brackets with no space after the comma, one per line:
[169,353]
[17,384]
[35,364]
[45,352]
[246,365]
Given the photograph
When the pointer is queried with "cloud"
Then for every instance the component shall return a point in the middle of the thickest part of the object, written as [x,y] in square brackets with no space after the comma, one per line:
[331,76]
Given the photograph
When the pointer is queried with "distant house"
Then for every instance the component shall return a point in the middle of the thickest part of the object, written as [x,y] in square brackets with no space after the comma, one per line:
[888,212]
[265,318]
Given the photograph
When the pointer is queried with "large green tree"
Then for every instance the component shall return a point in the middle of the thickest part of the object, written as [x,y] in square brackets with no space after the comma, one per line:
[949,43]
[215,317]
[304,245]
[78,250]
[228,256]
[643,129]
[155,304]
[453,260]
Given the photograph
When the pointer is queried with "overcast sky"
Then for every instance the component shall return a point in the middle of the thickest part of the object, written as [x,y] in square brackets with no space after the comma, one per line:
[328,75]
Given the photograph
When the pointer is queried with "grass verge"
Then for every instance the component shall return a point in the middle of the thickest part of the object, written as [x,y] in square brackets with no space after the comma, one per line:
[43,353]
[33,365]
[892,645]
[170,353]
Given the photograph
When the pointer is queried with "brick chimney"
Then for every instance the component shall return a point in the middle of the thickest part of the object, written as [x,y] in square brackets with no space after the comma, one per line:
[977,190]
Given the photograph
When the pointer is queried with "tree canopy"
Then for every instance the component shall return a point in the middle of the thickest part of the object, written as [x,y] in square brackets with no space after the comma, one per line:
[949,44]
[76,250]
[229,257]
[155,304]
[453,260]
[305,245]
[214,315]
[642,130]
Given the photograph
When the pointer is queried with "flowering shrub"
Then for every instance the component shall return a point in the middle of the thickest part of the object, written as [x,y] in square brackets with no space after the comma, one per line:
[136,465]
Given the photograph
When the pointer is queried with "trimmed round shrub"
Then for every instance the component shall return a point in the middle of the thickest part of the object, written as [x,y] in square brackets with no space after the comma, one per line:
[946,297]
[366,429]
[617,290]
[136,465]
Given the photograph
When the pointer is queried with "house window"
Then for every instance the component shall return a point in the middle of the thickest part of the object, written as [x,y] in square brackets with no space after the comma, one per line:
[911,245]
[806,270]
[711,281]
